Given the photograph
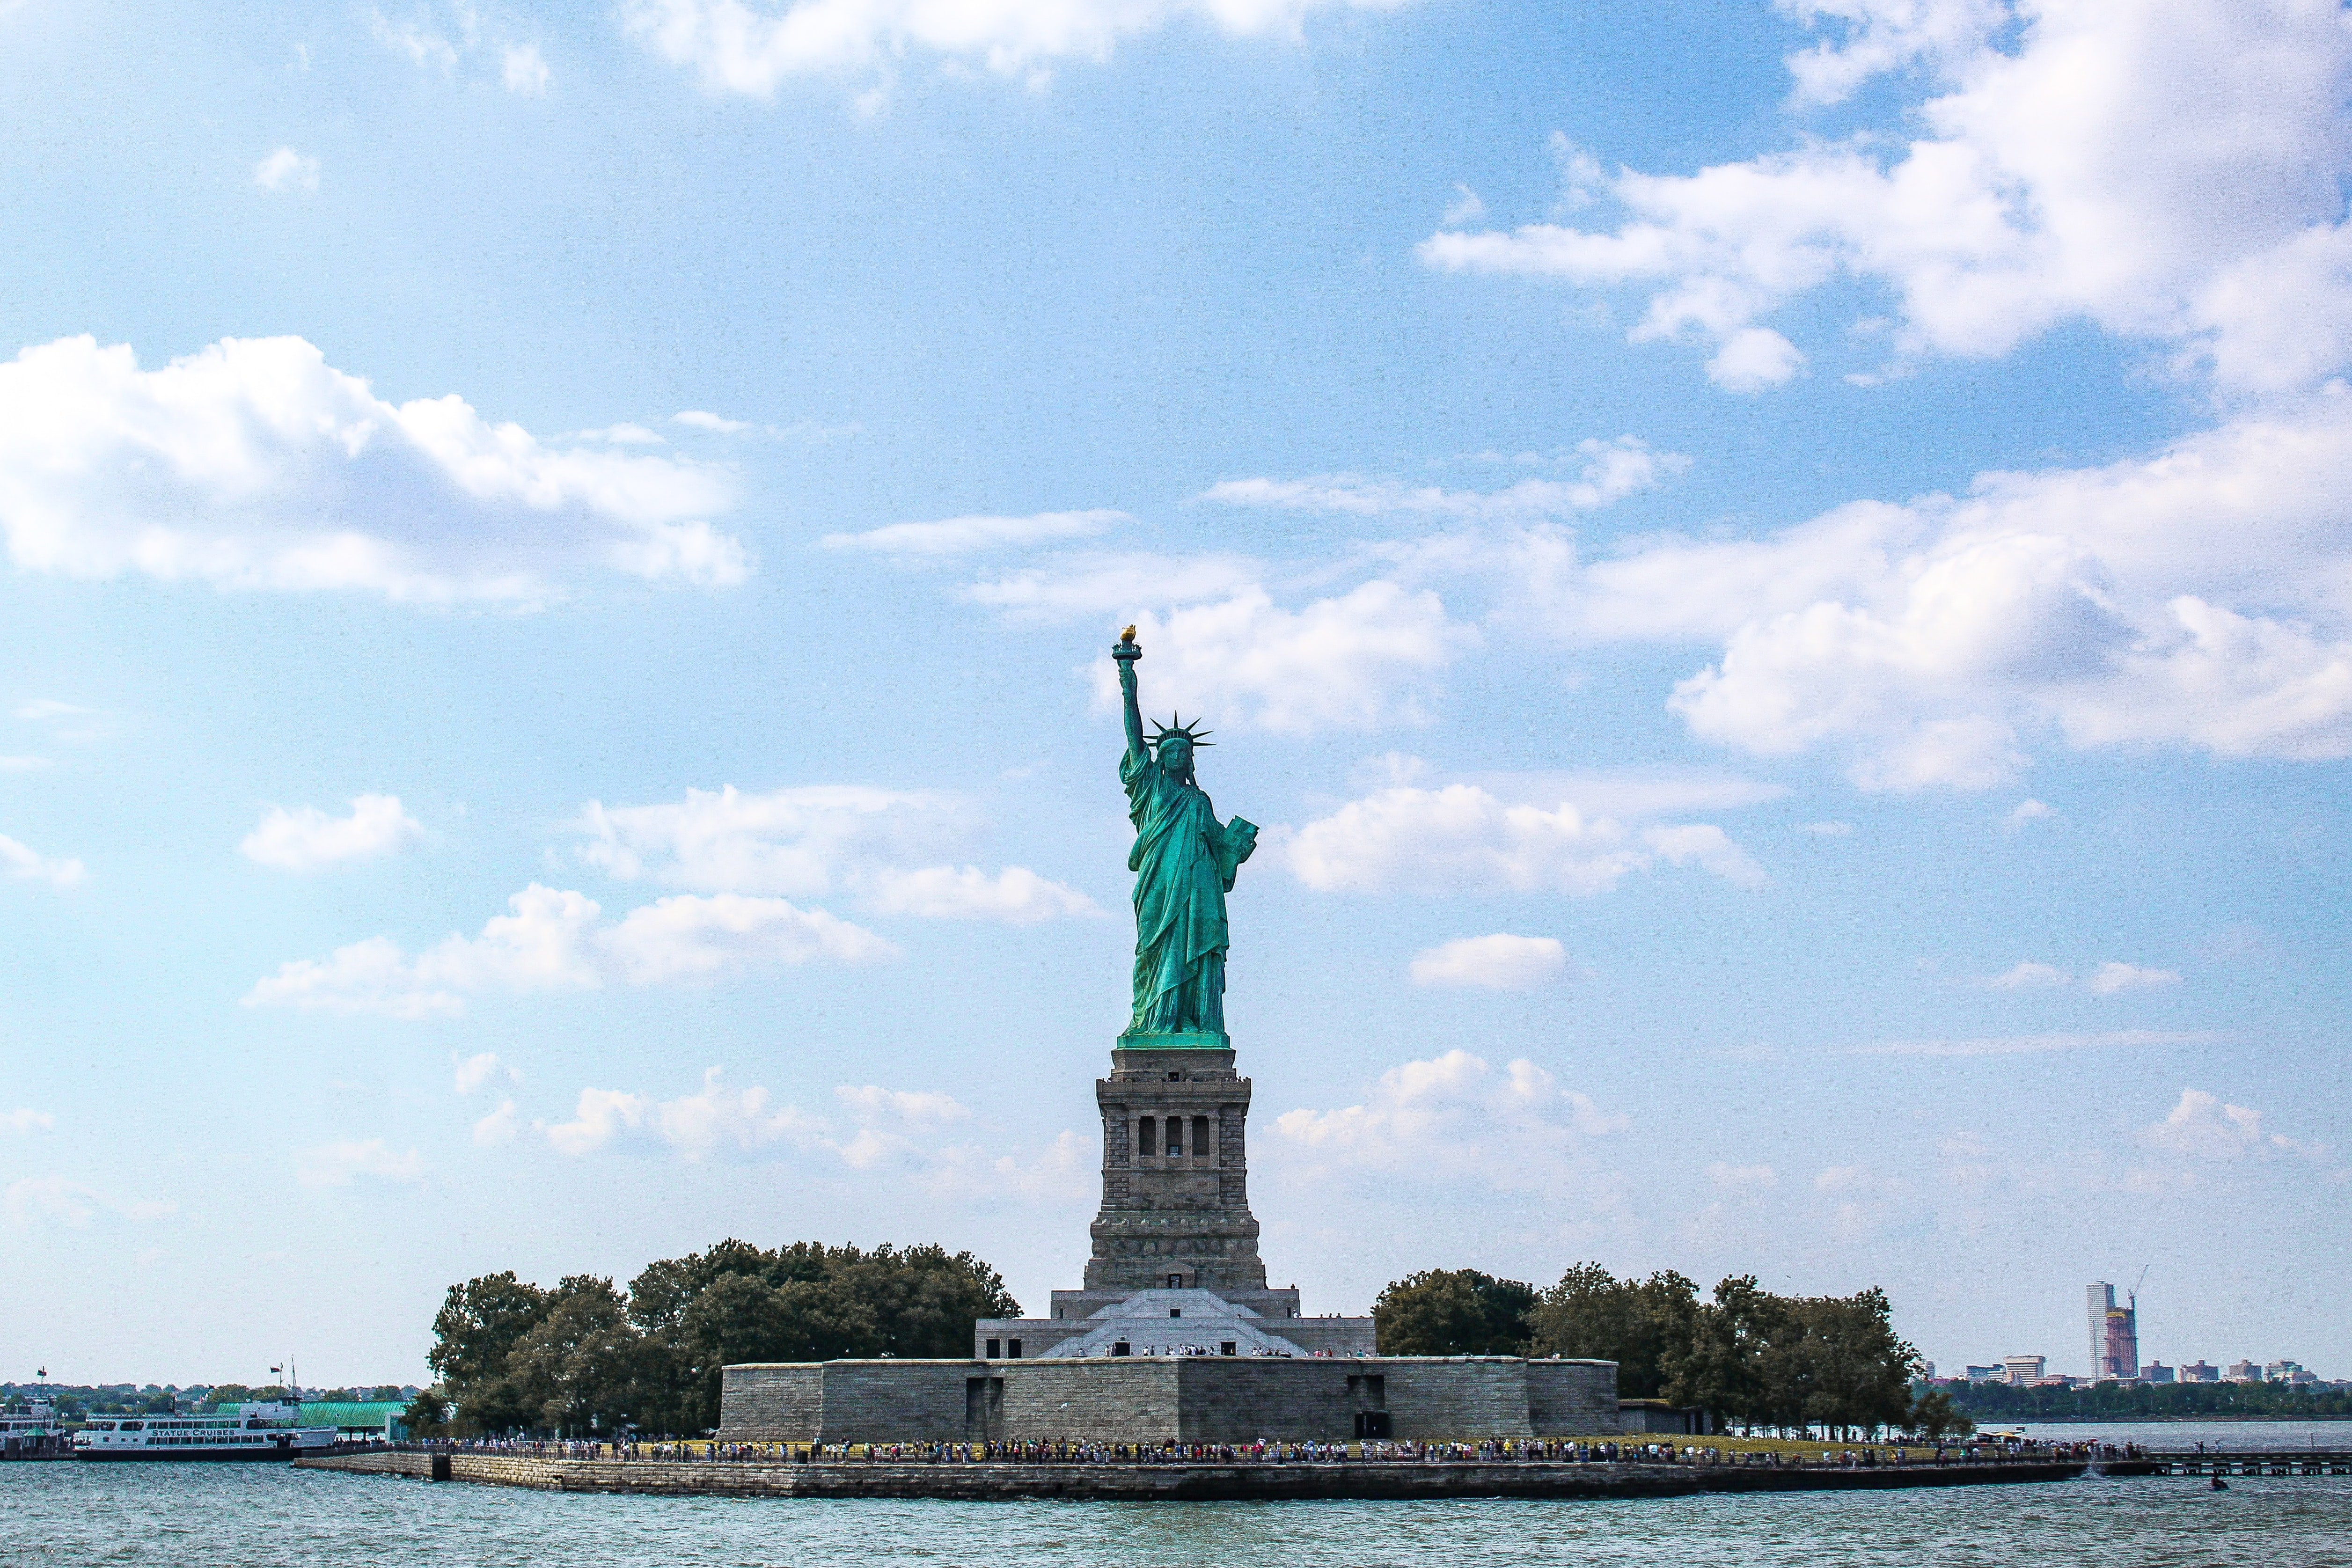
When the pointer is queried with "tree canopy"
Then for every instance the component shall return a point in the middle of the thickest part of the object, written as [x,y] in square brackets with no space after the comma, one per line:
[582,1356]
[1751,1356]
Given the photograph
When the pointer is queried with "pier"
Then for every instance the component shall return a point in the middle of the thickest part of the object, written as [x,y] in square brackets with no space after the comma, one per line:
[2232,1462]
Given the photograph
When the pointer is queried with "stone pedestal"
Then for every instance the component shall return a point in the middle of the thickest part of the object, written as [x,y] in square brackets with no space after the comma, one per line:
[1175,1206]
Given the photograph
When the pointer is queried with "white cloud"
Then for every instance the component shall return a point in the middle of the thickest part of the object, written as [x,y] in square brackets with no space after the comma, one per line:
[1464,206]
[525,69]
[43,708]
[799,840]
[557,941]
[1607,471]
[1840,1179]
[1016,895]
[2113,977]
[485,1066]
[1461,837]
[625,434]
[2030,975]
[2014,1045]
[888,1128]
[286,170]
[703,419]
[1363,659]
[501,1126]
[36,1200]
[416,40]
[874,843]
[16,861]
[23,764]
[753,47]
[253,463]
[1826,829]
[345,1162]
[27,1119]
[917,542]
[2199,596]
[2202,1127]
[1729,1178]
[306,838]
[2028,811]
[1752,359]
[2170,177]
[1453,1118]
[1499,962]
[2107,980]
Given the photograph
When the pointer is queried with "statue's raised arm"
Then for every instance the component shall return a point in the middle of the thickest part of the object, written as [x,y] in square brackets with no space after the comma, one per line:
[1184,860]
[1127,653]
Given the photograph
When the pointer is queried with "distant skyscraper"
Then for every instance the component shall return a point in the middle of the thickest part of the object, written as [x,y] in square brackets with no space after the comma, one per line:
[2201,1372]
[2115,1336]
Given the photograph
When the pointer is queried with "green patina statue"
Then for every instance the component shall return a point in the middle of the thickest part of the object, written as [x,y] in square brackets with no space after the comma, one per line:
[1183,861]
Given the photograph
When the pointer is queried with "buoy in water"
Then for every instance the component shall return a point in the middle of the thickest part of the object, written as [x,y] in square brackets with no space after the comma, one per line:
[2219,1485]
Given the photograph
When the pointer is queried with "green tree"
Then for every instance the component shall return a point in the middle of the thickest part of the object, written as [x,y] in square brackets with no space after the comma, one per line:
[1934,1417]
[579,1368]
[1648,1327]
[1861,1369]
[480,1323]
[427,1414]
[1452,1312]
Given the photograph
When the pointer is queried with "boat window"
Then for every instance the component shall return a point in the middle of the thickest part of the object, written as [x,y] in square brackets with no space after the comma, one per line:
[131,1426]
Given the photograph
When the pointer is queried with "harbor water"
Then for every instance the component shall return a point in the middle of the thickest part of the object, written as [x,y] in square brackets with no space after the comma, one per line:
[272,1516]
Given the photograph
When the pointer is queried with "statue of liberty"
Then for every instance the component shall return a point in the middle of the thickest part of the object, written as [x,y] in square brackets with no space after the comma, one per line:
[1183,861]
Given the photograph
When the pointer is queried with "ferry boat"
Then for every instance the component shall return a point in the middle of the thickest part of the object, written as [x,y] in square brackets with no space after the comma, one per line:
[30,1431]
[263,1429]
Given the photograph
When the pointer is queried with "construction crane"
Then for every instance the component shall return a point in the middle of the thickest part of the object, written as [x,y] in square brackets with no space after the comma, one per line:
[2131,1297]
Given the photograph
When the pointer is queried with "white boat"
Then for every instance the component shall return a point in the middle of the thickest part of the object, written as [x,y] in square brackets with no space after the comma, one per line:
[30,1431]
[263,1429]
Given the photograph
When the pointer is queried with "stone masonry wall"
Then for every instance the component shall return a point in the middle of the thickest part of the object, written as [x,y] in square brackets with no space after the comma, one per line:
[771,1402]
[1572,1398]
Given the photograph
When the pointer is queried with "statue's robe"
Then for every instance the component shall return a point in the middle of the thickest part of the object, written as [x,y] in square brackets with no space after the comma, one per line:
[1183,862]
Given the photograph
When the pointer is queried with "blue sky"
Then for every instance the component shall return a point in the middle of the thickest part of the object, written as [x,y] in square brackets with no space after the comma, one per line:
[1777,576]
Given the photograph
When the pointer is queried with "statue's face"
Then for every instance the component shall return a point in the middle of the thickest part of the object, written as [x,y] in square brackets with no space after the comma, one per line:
[1176,755]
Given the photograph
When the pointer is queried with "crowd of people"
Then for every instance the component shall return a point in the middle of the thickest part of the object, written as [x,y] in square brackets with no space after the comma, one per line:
[1063,1451]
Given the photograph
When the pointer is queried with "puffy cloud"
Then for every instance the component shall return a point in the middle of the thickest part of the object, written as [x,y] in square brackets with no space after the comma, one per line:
[255,464]
[917,542]
[341,1163]
[814,839]
[416,40]
[2028,811]
[2029,975]
[306,838]
[752,46]
[501,1126]
[286,170]
[16,861]
[2171,176]
[1454,1118]
[2111,978]
[558,940]
[1499,962]
[1461,838]
[1608,471]
[2197,596]
[26,1120]
[1365,658]
[525,69]
[485,1066]
[2200,1126]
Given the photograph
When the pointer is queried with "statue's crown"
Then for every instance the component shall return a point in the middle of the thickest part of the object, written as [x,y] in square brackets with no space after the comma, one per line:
[1192,732]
